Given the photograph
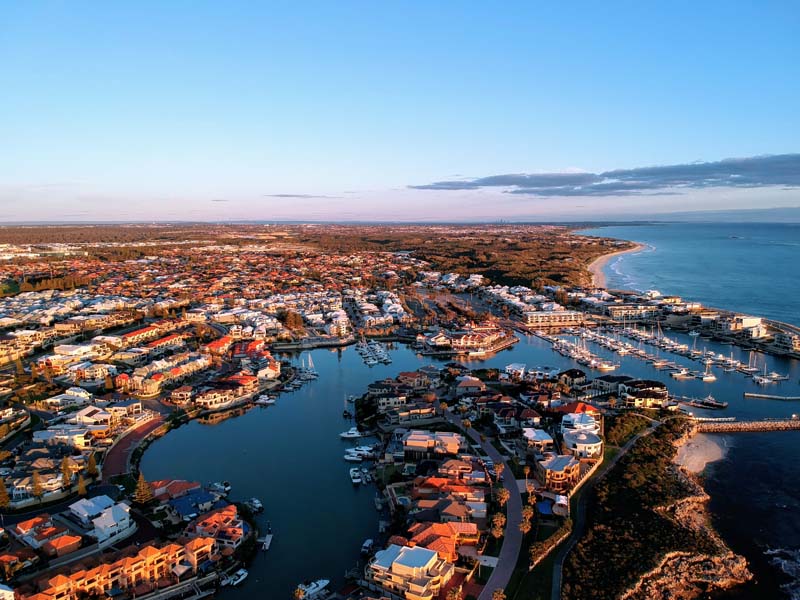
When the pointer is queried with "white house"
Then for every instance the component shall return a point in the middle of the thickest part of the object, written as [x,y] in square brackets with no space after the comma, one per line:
[87,509]
[113,522]
[583,444]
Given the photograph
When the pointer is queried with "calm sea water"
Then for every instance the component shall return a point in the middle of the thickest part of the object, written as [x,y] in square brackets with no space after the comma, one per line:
[752,268]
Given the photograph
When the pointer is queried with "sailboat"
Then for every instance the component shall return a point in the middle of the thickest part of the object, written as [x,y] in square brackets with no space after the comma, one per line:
[763,379]
[708,376]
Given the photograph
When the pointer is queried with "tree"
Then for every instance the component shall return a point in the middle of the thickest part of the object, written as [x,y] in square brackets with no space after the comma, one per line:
[527,471]
[525,527]
[66,473]
[497,532]
[502,496]
[81,485]
[298,594]
[454,594]
[91,466]
[498,520]
[5,501]
[498,594]
[109,383]
[36,484]
[527,513]
[499,468]
[143,493]
[466,424]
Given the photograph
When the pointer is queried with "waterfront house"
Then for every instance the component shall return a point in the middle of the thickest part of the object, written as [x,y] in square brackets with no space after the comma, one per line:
[426,444]
[444,538]
[409,573]
[145,568]
[223,525]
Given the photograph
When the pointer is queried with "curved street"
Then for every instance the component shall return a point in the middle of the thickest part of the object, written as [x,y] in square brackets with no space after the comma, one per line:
[512,541]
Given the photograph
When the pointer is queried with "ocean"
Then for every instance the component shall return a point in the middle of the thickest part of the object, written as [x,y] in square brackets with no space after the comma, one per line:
[751,268]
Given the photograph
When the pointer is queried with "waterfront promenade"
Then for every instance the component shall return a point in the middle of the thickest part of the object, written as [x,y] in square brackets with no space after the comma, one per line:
[117,460]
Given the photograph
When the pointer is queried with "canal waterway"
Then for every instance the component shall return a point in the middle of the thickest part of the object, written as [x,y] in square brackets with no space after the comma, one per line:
[290,456]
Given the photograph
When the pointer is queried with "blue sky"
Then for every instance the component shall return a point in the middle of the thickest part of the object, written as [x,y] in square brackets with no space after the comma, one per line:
[341,110]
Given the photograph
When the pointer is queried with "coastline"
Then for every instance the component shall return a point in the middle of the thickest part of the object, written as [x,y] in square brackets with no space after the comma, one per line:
[596,267]
[698,451]
[691,574]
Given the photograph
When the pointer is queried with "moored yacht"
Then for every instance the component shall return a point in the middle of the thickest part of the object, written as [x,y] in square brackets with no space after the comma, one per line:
[351,434]
[312,589]
[355,475]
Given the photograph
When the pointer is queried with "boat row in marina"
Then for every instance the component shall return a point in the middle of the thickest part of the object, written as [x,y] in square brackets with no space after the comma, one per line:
[373,353]
[706,357]
[582,355]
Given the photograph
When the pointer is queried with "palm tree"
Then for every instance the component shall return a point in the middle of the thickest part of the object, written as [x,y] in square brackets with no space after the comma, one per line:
[454,594]
[502,496]
[498,594]
[298,594]
[527,513]
[527,471]
[525,527]
[499,468]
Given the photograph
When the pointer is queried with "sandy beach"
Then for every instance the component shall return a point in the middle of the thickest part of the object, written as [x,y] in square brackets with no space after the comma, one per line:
[699,451]
[596,266]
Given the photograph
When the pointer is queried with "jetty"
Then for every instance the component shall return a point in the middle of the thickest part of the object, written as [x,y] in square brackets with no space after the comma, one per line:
[770,396]
[748,426]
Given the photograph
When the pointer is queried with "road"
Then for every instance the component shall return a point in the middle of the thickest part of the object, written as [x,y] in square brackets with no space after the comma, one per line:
[579,517]
[512,541]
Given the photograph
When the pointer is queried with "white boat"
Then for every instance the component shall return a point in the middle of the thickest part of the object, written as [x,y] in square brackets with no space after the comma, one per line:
[255,505]
[351,434]
[265,400]
[355,475]
[311,590]
[366,547]
[350,457]
[238,577]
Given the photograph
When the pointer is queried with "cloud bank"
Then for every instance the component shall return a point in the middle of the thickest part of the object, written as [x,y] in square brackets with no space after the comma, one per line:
[753,172]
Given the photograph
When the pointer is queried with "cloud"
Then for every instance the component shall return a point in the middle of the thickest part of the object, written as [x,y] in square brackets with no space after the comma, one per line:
[757,171]
[301,196]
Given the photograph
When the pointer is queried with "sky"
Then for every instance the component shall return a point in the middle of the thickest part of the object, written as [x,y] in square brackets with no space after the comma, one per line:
[408,111]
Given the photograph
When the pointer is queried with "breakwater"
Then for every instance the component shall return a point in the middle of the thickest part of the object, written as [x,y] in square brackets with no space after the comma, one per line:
[749,426]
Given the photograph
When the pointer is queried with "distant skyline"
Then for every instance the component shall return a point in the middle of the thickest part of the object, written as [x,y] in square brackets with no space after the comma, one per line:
[359,111]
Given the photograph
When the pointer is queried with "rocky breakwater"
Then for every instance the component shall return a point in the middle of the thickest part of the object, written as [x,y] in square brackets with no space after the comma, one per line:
[685,575]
